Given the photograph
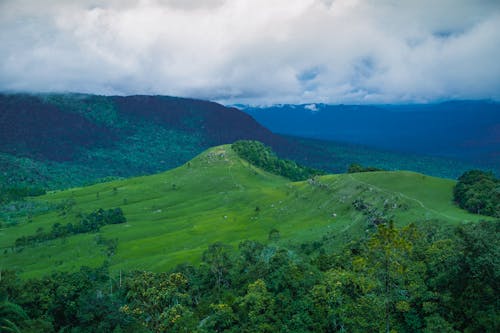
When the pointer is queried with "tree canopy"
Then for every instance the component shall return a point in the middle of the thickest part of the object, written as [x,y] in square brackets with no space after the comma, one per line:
[418,278]
[262,156]
[478,192]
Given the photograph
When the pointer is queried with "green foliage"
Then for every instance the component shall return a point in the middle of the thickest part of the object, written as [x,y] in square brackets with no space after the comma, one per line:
[389,249]
[258,308]
[274,235]
[217,258]
[17,193]
[11,316]
[88,223]
[353,168]
[221,319]
[97,108]
[262,156]
[160,301]
[145,148]
[84,301]
[466,277]
[478,192]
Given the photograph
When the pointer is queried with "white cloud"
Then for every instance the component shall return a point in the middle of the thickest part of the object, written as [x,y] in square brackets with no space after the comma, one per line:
[259,51]
[311,107]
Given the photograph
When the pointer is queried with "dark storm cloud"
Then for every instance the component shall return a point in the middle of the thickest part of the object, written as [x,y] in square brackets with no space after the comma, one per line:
[258,51]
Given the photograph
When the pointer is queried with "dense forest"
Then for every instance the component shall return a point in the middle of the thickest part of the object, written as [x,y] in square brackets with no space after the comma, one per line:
[478,192]
[420,278]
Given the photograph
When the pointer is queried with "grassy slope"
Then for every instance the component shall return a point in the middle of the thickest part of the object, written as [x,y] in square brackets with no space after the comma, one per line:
[214,199]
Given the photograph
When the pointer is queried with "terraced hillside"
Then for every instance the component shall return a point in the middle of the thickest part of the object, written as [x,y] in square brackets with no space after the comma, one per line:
[173,216]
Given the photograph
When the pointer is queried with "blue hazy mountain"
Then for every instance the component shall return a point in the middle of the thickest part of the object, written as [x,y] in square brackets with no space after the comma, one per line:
[463,130]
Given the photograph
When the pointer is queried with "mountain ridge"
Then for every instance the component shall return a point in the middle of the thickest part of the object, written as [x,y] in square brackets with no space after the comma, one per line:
[65,140]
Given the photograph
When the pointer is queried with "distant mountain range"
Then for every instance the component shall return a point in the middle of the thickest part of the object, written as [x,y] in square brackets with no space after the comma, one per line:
[462,130]
[63,140]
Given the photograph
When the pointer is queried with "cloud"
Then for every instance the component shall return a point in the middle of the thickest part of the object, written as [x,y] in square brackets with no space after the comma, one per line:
[311,107]
[258,52]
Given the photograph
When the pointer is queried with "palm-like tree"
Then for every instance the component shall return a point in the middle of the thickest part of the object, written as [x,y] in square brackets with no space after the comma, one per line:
[10,316]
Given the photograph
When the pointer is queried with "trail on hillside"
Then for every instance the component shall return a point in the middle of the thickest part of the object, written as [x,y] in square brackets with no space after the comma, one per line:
[420,203]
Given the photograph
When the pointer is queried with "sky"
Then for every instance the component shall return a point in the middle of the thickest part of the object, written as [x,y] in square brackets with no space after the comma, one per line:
[257,52]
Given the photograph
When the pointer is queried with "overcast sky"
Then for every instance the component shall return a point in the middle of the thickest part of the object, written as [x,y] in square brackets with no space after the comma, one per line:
[255,51]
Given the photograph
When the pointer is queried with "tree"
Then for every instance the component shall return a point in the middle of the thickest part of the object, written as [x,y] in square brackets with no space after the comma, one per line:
[257,308]
[468,278]
[217,257]
[478,192]
[222,318]
[345,301]
[159,301]
[389,251]
[274,235]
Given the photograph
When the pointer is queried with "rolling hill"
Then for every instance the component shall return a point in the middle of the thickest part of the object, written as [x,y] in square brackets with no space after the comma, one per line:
[173,216]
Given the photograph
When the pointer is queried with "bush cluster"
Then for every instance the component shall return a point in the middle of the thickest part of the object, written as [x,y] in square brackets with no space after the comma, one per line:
[353,168]
[88,223]
[263,157]
[478,192]
[16,193]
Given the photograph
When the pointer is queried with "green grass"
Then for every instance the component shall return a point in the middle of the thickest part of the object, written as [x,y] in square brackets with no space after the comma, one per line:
[174,216]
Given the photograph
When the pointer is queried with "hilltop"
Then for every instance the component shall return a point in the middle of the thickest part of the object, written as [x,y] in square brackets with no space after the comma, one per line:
[173,216]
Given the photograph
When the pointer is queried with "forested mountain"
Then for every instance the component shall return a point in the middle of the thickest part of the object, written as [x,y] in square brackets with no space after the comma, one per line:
[69,139]
[54,141]
[57,127]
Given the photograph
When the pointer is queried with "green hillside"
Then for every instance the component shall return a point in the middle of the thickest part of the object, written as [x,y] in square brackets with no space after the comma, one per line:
[173,216]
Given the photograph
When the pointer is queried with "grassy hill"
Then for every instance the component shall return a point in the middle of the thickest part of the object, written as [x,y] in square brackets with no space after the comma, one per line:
[173,216]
